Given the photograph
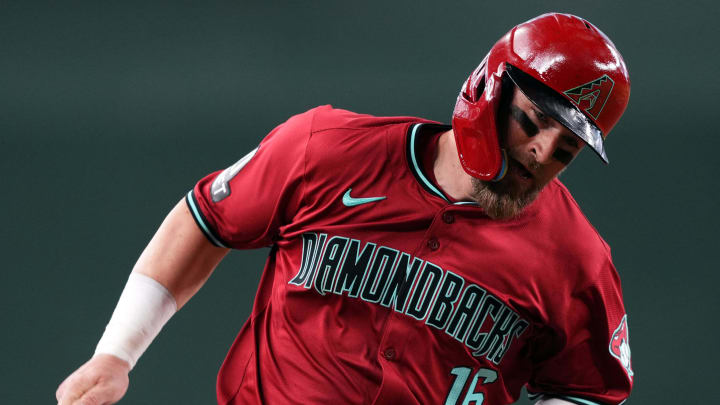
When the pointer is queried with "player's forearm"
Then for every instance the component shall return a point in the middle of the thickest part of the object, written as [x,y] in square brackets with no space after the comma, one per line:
[179,256]
[172,268]
[174,265]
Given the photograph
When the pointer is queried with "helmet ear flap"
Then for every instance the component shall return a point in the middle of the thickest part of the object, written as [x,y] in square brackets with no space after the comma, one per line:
[473,92]
[474,126]
[475,85]
[479,88]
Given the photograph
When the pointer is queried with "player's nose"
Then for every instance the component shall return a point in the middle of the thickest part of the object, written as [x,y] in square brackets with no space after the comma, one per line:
[542,146]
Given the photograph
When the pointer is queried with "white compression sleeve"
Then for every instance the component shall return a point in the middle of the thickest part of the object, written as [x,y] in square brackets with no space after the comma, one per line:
[142,310]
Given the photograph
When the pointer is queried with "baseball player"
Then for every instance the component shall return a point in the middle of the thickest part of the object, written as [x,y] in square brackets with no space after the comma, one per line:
[412,262]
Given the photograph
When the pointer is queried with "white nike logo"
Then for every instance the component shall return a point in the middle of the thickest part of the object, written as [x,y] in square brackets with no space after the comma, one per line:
[351,201]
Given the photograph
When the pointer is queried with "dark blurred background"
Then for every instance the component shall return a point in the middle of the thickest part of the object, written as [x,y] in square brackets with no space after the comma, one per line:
[110,111]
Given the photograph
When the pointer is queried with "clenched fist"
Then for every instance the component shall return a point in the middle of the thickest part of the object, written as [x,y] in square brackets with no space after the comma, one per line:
[102,380]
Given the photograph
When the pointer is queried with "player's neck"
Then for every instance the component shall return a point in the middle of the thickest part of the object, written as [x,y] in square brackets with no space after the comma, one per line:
[450,176]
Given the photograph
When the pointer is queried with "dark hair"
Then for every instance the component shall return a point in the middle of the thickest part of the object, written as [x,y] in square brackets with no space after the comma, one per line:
[507,91]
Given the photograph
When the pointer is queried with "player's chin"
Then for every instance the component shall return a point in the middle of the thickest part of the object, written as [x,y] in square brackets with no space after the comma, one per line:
[505,199]
[515,187]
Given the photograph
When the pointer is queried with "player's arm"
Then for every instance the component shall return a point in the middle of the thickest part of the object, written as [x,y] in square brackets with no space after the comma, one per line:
[179,256]
[172,268]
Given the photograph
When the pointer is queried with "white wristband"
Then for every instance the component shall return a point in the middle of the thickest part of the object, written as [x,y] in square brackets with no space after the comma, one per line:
[142,310]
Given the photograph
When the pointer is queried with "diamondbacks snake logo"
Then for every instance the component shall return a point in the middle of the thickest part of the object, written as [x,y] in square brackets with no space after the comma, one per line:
[620,346]
[592,96]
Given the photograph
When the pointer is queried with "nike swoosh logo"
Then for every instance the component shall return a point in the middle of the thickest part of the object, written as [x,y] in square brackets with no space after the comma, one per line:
[351,201]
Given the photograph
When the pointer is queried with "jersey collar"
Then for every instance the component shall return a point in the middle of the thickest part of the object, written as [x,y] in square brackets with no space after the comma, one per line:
[414,160]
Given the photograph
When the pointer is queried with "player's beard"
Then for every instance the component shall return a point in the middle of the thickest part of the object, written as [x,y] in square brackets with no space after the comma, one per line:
[506,198]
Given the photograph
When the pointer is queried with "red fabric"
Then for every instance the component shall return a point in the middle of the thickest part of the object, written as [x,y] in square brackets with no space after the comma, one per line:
[545,276]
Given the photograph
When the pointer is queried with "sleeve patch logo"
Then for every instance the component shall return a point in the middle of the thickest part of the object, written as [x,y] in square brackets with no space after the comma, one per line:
[220,188]
[592,96]
[620,346]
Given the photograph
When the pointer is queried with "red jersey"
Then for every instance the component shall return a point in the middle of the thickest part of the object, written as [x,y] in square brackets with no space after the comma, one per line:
[380,290]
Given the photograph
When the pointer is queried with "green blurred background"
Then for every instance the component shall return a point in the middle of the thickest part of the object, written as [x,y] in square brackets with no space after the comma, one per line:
[110,111]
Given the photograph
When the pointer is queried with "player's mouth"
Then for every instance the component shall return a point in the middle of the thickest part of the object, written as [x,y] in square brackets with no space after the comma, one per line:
[521,170]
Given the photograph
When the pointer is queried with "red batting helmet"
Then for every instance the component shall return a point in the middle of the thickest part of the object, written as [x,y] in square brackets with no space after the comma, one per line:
[564,65]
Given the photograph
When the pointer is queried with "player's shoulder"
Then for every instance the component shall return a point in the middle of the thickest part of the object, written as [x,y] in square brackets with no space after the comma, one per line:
[326,132]
[567,214]
[585,253]
[327,117]
[321,120]
[342,134]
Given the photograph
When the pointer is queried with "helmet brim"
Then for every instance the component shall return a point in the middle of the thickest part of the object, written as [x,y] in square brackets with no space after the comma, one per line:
[559,108]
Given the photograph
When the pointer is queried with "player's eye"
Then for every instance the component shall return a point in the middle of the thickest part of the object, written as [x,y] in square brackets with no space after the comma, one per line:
[540,115]
[571,141]
[525,122]
[563,156]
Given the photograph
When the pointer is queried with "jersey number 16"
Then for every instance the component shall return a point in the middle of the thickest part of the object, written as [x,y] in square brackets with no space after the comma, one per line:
[461,377]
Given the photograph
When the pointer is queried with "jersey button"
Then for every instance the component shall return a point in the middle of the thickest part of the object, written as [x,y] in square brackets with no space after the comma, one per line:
[389,353]
[448,218]
[433,244]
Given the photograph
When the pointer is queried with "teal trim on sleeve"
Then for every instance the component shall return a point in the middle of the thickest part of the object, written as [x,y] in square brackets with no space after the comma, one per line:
[200,221]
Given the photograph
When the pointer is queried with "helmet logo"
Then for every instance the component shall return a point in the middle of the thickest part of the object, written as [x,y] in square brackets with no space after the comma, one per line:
[592,96]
